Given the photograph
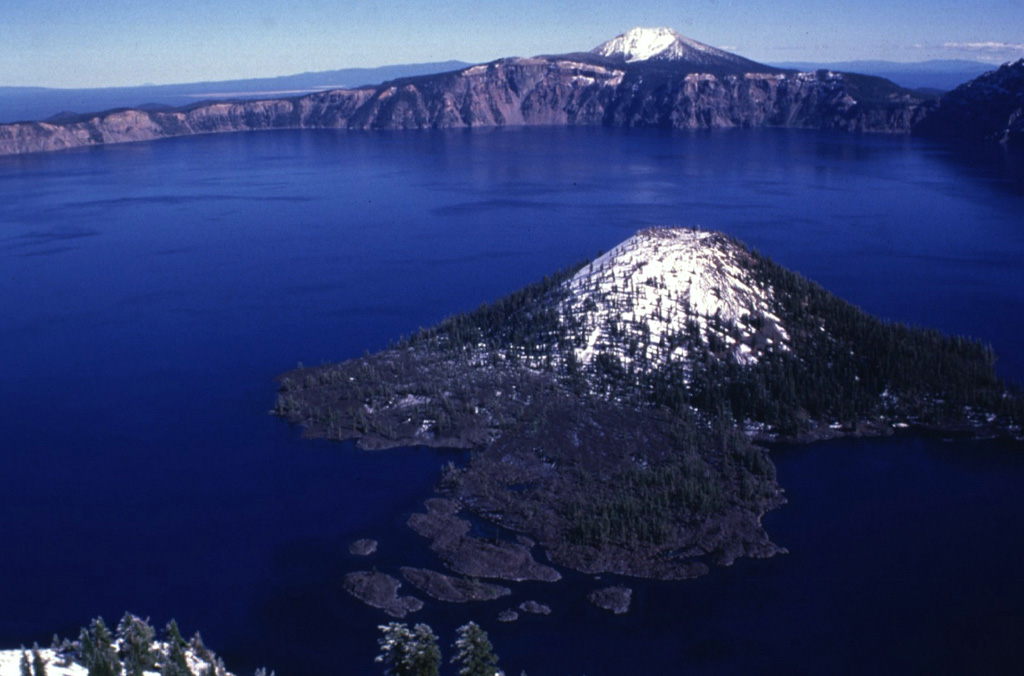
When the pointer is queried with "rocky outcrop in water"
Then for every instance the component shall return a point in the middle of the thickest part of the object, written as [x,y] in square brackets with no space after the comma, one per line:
[381,591]
[535,608]
[453,589]
[613,599]
[687,92]
[363,547]
[475,557]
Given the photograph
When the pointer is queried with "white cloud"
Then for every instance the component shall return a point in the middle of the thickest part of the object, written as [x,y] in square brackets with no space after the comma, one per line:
[985,47]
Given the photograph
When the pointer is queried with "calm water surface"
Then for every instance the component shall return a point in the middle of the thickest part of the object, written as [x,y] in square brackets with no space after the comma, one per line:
[150,293]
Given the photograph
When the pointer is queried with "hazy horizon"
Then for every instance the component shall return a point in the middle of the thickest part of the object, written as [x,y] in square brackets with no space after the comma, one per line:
[118,43]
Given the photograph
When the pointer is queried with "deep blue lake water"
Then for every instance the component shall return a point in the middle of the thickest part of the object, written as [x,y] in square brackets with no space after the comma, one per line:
[150,293]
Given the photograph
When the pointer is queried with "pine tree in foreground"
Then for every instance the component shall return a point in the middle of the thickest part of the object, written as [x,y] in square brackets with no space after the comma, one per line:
[97,650]
[474,652]
[136,645]
[38,663]
[427,656]
[409,652]
[200,650]
[175,663]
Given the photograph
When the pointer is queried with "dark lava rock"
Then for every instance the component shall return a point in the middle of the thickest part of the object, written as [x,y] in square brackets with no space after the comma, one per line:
[615,599]
[381,591]
[508,616]
[453,589]
[472,556]
[535,608]
[363,547]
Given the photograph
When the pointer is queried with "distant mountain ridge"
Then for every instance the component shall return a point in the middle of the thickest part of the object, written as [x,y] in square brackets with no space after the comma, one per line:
[642,78]
[18,104]
[940,74]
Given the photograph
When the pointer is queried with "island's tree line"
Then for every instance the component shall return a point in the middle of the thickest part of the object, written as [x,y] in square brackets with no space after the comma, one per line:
[645,504]
[858,366]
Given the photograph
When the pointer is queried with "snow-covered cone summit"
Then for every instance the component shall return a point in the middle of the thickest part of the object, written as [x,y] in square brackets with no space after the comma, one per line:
[663,44]
[662,292]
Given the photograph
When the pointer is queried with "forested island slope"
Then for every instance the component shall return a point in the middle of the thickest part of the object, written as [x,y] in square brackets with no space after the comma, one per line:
[615,406]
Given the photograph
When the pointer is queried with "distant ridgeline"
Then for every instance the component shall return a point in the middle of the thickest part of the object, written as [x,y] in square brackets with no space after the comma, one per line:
[132,649]
[643,78]
[615,403]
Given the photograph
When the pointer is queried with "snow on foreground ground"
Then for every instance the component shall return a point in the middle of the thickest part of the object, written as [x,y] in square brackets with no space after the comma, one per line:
[10,664]
[668,282]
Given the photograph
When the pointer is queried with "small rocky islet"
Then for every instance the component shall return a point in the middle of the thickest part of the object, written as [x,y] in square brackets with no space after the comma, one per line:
[613,599]
[618,409]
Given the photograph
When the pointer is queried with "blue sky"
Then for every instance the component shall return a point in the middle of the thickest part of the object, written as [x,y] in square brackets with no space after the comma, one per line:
[57,43]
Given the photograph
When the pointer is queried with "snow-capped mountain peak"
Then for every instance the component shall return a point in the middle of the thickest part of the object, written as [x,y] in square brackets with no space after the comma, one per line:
[664,44]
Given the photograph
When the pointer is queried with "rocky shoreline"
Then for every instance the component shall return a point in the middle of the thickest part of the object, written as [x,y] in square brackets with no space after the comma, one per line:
[452,589]
[472,556]
[380,590]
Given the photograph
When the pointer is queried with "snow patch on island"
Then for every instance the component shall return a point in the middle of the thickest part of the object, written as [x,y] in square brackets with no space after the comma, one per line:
[651,299]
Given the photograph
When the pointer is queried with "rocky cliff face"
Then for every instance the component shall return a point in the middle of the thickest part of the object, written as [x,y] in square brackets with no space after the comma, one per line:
[988,108]
[822,100]
[584,89]
[328,109]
